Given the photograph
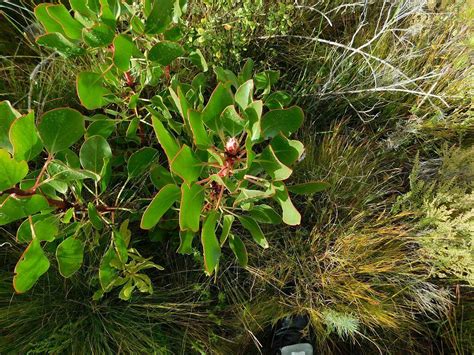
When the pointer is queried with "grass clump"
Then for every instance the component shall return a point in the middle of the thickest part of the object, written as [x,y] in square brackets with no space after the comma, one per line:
[383,261]
[355,269]
[59,316]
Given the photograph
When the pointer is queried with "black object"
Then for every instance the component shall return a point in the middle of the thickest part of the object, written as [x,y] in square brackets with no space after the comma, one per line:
[288,331]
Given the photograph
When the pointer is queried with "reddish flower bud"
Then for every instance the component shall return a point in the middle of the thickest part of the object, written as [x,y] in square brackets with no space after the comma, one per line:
[232,146]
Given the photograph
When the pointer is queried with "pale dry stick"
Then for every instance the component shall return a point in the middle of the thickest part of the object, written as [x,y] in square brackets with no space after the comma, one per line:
[389,21]
[365,54]
[344,6]
[359,112]
[312,8]
[389,89]
[384,29]
[35,73]
[387,25]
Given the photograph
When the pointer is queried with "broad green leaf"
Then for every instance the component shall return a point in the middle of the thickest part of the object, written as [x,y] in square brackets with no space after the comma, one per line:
[286,121]
[60,128]
[265,80]
[32,264]
[308,188]
[192,199]
[247,70]
[165,52]
[160,176]
[198,60]
[120,246]
[180,102]
[254,229]
[161,15]
[61,44]
[24,138]
[250,195]
[7,116]
[69,255]
[186,165]
[239,249]
[291,216]
[14,208]
[265,214]
[94,6]
[125,233]
[186,242]
[140,161]
[81,7]
[174,33]
[44,226]
[232,123]
[210,244]
[227,222]
[98,36]
[221,98]
[94,153]
[226,76]
[102,128]
[70,158]
[254,116]
[11,171]
[287,151]
[91,90]
[94,217]
[107,273]
[244,94]
[71,27]
[110,11]
[161,203]
[48,22]
[166,140]
[201,138]
[132,129]
[127,290]
[138,27]
[125,49]
[58,171]
[68,216]
[277,100]
[270,163]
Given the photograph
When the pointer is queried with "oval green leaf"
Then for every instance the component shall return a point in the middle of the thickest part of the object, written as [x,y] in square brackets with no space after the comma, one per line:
[11,171]
[239,249]
[61,44]
[291,216]
[210,244]
[94,153]
[186,165]
[166,140]
[13,208]
[69,255]
[60,128]
[308,188]
[161,203]
[140,161]
[32,264]
[254,229]
[286,121]
[165,52]
[24,138]
[192,199]
[7,116]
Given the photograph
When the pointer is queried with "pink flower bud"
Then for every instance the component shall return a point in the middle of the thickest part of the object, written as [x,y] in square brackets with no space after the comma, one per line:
[232,146]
